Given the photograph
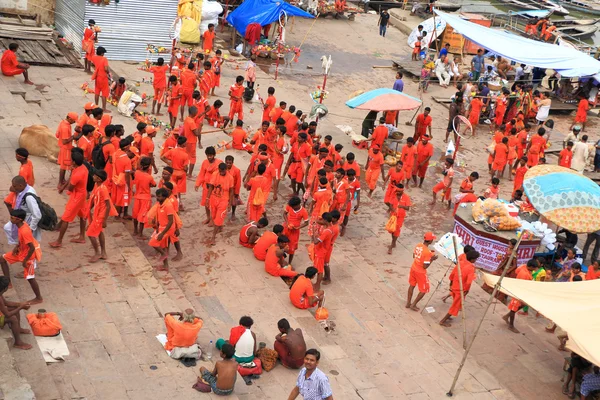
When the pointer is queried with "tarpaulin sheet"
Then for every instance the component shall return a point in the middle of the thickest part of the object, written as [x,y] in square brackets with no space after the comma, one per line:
[574,306]
[262,11]
[567,61]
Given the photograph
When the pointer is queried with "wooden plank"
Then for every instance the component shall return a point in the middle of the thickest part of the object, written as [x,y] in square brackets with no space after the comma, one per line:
[14,35]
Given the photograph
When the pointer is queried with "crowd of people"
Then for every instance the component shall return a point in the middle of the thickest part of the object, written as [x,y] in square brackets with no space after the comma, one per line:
[104,172]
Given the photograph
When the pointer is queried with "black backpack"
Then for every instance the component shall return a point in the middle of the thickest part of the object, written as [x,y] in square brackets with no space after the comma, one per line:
[49,218]
[98,155]
[90,182]
[248,94]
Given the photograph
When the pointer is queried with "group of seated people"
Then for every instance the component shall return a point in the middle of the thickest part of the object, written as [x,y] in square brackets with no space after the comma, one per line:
[272,248]
[239,352]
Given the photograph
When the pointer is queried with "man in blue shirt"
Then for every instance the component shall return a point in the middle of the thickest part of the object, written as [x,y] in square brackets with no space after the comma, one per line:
[312,383]
[444,50]
[477,64]
[399,83]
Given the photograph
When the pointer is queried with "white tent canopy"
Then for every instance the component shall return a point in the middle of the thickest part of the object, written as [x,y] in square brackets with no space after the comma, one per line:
[574,306]
[566,61]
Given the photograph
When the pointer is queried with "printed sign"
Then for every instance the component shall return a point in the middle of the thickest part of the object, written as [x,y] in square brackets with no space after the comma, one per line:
[491,250]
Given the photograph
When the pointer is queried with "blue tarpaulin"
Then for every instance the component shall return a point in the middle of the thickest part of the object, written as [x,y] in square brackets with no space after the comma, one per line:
[262,11]
[567,61]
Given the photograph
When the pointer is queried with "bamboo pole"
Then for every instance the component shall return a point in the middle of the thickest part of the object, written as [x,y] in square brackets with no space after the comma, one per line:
[462,293]
[489,303]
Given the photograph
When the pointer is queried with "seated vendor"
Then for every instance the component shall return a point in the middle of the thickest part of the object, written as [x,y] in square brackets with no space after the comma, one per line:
[302,294]
[290,345]
[249,233]
[565,273]
[222,379]
[275,263]
[128,102]
[243,340]
[182,334]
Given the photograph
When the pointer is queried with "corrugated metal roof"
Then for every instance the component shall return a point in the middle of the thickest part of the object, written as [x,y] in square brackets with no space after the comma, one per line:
[129,26]
[69,20]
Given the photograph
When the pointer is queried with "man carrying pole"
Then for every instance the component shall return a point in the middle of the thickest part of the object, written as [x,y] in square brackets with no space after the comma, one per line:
[461,278]
[487,307]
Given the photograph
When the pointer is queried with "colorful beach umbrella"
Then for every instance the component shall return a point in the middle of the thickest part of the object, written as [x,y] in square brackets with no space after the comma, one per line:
[565,197]
[384,100]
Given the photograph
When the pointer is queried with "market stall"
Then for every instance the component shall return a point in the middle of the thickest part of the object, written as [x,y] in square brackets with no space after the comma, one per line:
[491,245]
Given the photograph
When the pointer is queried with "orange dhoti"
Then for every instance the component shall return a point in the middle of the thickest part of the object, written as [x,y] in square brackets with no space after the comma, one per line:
[140,210]
[75,207]
[95,228]
[64,158]
[236,107]
[441,186]
[218,210]
[121,195]
[101,87]
[456,303]
[167,238]
[294,236]
[371,177]
[180,180]
[254,213]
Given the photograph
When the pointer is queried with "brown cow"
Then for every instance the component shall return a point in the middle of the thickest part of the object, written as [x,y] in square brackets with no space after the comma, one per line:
[40,141]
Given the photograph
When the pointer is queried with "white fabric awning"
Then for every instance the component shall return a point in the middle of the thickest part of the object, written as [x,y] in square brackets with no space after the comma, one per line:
[567,61]
[574,306]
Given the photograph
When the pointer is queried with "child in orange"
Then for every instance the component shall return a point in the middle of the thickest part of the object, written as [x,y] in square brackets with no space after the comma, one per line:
[321,201]
[217,62]
[582,110]
[394,176]
[239,137]
[235,95]
[500,158]
[176,92]
[335,228]
[208,39]
[466,193]
[322,242]
[26,169]
[520,174]
[275,263]
[65,138]
[422,259]
[258,186]
[237,184]
[564,158]
[417,50]
[269,104]
[75,207]
[178,159]
[99,209]
[493,191]
[373,168]
[398,206]
[295,218]
[159,83]
[476,106]
[445,184]
[536,148]
[409,158]
[207,81]
[143,181]
[164,227]
[27,252]
[341,191]
[209,166]
[86,142]
[101,76]
[220,195]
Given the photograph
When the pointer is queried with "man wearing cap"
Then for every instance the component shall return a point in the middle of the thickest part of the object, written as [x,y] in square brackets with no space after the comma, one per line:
[398,206]
[220,197]
[422,259]
[65,138]
[101,77]
[423,124]
[85,117]
[147,146]
[467,275]
[424,154]
[572,136]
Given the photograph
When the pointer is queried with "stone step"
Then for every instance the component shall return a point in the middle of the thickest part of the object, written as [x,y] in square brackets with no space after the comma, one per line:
[12,385]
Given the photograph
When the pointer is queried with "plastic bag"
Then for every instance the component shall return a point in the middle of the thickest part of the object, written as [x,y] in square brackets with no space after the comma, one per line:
[392,223]
[189,32]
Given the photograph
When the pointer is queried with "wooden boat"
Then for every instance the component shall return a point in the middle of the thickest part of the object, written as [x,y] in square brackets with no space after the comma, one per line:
[520,4]
[578,22]
[447,6]
[590,7]
[556,9]
[576,31]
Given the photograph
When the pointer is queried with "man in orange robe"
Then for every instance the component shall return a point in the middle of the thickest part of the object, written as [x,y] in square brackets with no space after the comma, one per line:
[101,77]
[11,67]
[65,144]
[235,95]
[220,196]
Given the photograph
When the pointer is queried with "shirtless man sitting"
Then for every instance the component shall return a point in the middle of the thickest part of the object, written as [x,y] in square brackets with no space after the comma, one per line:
[290,345]
[222,378]
[9,313]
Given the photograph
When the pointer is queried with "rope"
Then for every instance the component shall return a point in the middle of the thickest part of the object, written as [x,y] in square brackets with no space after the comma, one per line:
[308,31]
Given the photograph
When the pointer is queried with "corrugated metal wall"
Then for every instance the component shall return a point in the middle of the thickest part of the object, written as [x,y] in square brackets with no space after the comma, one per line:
[69,20]
[129,26]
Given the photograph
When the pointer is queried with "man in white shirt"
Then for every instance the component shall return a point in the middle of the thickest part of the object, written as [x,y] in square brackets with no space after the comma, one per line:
[29,205]
[580,154]
[441,71]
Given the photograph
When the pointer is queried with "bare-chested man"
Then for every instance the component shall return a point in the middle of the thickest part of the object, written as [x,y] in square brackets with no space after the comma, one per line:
[9,313]
[222,379]
[290,345]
